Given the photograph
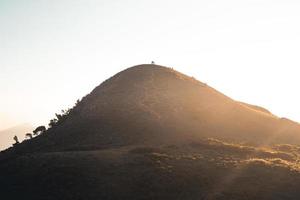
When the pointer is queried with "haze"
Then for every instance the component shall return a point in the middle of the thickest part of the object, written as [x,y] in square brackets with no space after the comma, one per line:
[55,52]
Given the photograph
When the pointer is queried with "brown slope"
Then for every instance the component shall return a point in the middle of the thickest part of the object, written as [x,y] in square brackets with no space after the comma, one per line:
[155,104]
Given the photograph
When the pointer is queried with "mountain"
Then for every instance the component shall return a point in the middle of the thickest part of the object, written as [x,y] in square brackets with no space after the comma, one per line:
[6,136]
[150,132]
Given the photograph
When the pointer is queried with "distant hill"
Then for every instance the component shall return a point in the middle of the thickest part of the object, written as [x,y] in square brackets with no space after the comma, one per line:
[6,136]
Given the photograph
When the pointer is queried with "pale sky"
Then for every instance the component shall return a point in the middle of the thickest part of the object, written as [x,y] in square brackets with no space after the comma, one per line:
[53,52]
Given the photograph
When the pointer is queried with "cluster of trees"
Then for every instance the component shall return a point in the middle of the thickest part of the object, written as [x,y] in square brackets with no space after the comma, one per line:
[39,130]
[59,118]
[42,129]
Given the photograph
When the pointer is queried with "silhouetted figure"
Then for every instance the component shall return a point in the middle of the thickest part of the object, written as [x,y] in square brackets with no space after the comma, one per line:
[39,130]
[28,135]
[16,140]
[153,63]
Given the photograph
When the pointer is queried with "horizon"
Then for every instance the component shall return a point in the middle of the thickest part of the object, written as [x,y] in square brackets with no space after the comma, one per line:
[52,57]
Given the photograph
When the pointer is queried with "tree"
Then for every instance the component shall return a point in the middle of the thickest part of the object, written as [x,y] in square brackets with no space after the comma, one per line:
[39,130]
[53,122]
[16,140]
[77,102]
[59,118]
[28,135]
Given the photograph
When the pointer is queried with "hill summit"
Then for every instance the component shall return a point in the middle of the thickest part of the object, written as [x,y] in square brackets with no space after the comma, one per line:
[152,104]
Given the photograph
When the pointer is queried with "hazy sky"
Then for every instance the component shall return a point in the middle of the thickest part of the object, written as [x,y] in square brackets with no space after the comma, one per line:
[53,52]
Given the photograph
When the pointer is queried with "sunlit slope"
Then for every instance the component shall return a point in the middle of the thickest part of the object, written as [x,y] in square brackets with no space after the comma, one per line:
[155,104]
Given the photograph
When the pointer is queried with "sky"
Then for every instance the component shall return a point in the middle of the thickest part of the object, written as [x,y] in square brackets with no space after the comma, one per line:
[55,52]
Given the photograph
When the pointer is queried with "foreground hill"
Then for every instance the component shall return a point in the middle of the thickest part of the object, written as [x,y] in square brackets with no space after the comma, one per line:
[207,169]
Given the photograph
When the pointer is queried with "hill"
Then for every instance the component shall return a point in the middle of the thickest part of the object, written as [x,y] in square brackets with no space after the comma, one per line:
[150,132]
[151,104]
